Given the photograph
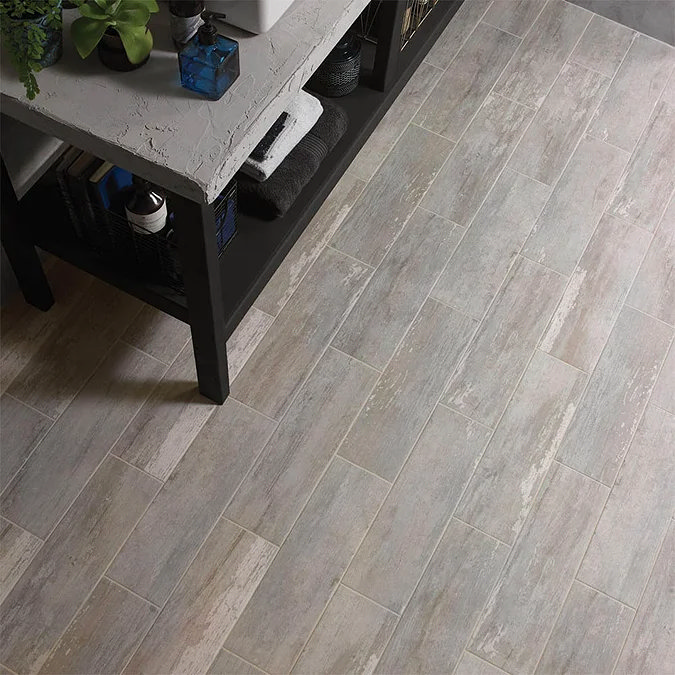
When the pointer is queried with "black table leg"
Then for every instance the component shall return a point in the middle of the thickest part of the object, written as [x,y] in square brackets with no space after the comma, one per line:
[196,231]
[20,251]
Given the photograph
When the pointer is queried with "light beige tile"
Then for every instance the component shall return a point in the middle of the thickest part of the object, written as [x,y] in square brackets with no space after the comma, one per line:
[17,549]
[564,228]
[595,294]
[588,635]
[650,645]
[514,16]
[64,461]
[67,567]
[246,337]
[191,629]
[525,603]
[623,549]
[616,396]
[294,343]
[395,413]
[519,455]
[558,125]
[104,633]
[470,77]
[157,334]
[227,663]
[400,542]
[382,210]
[498,354]
[633,93]
[470,664]
[291,597]
[161,547]
[603,45]
[437,622]
[475,164]
[544,50]
[398,288]
[664,391]
[273,493]
[481,262]
[349,638]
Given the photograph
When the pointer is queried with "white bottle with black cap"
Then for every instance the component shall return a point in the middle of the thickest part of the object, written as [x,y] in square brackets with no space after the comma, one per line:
[145,208]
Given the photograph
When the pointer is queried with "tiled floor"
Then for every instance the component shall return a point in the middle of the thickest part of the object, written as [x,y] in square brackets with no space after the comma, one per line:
[449,445]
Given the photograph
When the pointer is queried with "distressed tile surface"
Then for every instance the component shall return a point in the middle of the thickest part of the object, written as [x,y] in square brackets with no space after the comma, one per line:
[603,45]
[470,664]
[157,334]
[514,16]
[227,663]
[17,549]
[664,391]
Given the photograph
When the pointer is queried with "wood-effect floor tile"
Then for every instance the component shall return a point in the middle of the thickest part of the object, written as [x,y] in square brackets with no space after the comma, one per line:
[273,493]
[475,164]
[67,567]
[615,398]
[588,635]
[405,395]
[559,123]
[284,609]
[470,664]
[380,212]
[349,638]
[79,440]
[400,542]
[663,394]
[437,622]
[227,663]
[571,215]
[399,286]
[295,341]
[178,521]
[193,625]
[519,455]
[104,634]
[245,339]
[595,294]
[17,549]
[503,344]
[514,16]
[470,77]
[544,50]
[525,603]
[481,262]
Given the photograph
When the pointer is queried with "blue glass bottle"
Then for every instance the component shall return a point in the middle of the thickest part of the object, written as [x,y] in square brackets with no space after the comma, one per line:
[209,63]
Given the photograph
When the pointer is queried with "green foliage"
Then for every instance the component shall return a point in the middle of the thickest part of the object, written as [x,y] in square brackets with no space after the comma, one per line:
[127,17]
[25,40]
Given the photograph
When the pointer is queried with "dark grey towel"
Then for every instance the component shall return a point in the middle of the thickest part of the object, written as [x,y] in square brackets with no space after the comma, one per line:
[273,197]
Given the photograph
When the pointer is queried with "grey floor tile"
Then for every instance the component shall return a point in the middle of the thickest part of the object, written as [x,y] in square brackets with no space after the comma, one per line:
[396,411]
[568,221]
[558,125]
[663,394]
[193,625]
[349,638]
[157,334]
[381,212]
[17,549]
[633,93]
[400,542]
[475,164]
[519,455]
[595,294]
[650,646]
[392,298]
[79,440]
[67,567]
[514,16]
[481,262]
[227,663]
[166,539]
[525,603]
[545,49]
[588,635]
[245,339]
[395,121]
[503,344]
[104,633]
[295,341]
[273,493]
[284,609]
[616,396]
[470,77]
[603,45]
[437,622]
[470,664]
[622,551]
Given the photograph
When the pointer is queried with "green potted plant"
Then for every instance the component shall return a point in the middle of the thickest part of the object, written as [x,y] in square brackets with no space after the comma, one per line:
[32,34]
[118,28]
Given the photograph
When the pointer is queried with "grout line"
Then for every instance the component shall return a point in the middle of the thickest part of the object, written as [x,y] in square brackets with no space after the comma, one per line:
[245,405]
[477,529]
[353,358]
[33,408]
[607,595]
[546,185]
[353,590]
[581,473]
[9,670]
[651,316]
[589,134]
[503,30]
[433,133]
[225,519]
[150,356]
[662,409]
[551,356]
[241,658]
[464,415]
[368,471]
[351,257]
[480,658]
[133,466]
[21,527]
[438,215]
[128,590]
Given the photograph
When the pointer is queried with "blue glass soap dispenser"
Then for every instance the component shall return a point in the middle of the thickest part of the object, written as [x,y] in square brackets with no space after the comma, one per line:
[209,62]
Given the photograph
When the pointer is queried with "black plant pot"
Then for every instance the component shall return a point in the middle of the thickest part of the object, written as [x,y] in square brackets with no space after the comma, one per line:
[111,52]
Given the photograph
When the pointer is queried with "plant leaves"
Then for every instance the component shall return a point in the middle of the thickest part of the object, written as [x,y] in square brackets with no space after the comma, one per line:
[138,16]
[93,12]
[86,34]
[137,41]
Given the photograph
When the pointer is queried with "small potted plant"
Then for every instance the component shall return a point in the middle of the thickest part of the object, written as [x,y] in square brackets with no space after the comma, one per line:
[118,28]
[32,34]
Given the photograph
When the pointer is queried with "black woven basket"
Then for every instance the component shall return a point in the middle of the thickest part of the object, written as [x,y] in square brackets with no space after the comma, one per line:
[338,75]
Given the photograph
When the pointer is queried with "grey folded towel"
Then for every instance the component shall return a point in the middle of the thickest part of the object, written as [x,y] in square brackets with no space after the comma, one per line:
[273,197]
